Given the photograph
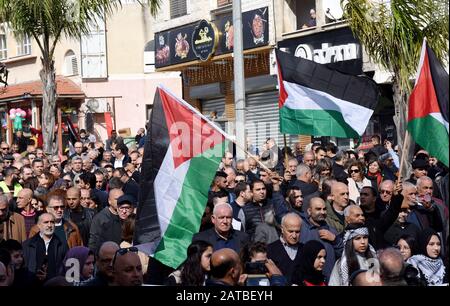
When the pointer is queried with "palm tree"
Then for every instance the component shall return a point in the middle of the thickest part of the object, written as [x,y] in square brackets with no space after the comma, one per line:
[392,34]
[47,21]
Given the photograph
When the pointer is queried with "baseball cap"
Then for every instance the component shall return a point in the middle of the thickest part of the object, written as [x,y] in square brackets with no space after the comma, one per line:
[126,199]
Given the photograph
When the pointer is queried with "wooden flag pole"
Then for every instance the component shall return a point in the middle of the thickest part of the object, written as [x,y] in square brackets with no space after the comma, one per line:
[251,155]
[285,151]
[406,144]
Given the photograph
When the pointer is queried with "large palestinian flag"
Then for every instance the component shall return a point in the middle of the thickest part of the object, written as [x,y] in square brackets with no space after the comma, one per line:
[181,157]
[428,106]
[316,100]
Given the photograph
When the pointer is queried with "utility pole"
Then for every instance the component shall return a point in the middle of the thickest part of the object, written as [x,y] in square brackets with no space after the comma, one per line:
[239,85]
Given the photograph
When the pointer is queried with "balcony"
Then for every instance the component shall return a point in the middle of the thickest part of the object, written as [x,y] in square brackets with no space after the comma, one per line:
[223,2]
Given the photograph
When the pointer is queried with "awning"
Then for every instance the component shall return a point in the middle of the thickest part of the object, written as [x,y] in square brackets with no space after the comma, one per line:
[65,88]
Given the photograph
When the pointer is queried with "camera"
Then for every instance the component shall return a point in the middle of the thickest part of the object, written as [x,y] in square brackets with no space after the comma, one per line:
[256,267]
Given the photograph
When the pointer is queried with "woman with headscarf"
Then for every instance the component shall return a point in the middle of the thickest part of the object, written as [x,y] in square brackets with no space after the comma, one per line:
[310,270]
[358,254]
[429,262]
[82,258]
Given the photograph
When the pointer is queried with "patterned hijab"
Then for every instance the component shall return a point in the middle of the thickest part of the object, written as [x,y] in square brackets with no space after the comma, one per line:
[432,269]
[349,235]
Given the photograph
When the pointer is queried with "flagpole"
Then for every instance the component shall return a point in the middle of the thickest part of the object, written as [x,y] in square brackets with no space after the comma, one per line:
[285,151]
[405,148]
[250,155]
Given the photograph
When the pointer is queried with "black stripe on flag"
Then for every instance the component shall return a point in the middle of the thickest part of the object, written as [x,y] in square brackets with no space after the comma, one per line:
[147,227]
[440,82]
[359,90]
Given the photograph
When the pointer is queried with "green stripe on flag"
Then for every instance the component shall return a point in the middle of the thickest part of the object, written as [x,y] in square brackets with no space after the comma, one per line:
[187,215]
[315,122]
[431,135]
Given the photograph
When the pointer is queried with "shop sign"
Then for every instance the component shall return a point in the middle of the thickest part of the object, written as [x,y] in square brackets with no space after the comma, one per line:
[204,40]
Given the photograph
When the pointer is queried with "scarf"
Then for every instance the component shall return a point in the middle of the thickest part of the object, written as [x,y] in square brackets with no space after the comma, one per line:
[432,269]
[307,275]
[343,266]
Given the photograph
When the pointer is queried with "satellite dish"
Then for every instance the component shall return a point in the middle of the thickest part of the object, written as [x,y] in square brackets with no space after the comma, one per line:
[333,10]
[92,103]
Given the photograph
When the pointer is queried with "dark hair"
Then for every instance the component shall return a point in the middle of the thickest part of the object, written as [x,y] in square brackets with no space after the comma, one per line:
[50,178]
[240,187]
[412,243]
[31,183]
[192,273]
[9,171]
[5,257]
[326,188]
[319,148]
[115,183]
[11,245]
[128,228]
[331,147]
[121,171]
[88,178]
[256,182]
[372,190]
[352,260]
[36,160]
[250,249]
[376,137]
[122,148]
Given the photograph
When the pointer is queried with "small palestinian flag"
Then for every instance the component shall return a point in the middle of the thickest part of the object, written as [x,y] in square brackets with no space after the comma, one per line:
[316,100]
[428,106]
[181,156]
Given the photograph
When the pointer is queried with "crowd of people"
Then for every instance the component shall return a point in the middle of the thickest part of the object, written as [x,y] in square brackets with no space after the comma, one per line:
[302,216]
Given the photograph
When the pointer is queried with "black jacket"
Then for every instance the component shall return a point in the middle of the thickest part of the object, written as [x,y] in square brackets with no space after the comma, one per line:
[306,188]
[34,255]
[131,188]
[287,266]
[254,215]
[396,231]
[84,225]
[236,239]
[105,227]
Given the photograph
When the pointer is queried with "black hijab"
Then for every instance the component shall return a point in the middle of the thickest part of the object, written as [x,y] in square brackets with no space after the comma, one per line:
[305,270]
[424,239]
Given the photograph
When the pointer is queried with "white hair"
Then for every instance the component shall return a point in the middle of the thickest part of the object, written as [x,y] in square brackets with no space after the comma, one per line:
[422,180]
[302,169]
[221,205]
[288,215]
[348,208]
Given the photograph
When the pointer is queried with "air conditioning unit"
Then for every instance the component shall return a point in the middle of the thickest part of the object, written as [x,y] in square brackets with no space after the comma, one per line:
[97,105]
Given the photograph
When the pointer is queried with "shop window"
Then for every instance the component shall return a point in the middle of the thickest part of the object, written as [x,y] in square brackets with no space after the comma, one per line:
[24,45]
[178,8]
[306,14]
[70,64]
[3,47]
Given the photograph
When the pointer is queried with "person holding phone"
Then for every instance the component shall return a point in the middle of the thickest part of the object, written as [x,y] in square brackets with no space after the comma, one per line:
[44,253]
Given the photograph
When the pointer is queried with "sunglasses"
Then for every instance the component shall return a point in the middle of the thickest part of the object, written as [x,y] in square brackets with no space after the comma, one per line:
[121,252]
[353,171]
[5,148]
[57,207]
[386,191]
[239,181]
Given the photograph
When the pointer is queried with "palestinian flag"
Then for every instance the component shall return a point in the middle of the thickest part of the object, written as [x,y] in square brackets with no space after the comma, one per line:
[316,100]
[181,156]
[428,106]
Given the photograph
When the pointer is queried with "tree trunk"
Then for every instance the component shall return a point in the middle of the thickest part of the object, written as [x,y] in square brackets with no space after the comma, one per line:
[400,119]
[48,79]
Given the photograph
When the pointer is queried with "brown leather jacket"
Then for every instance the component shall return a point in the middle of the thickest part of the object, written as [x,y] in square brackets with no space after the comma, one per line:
[73,236]
[14,227]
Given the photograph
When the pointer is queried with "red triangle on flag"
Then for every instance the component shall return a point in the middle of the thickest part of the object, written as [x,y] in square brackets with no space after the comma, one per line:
[190,134]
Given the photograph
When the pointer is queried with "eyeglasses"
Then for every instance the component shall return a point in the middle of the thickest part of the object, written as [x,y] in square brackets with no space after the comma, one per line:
[57,207]
[125,208]
[386,191]
[123,251]
[239,181]
[5,148]
[353,171]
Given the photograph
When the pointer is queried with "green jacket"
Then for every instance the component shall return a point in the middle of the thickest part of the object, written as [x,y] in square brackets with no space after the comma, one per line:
[333,220]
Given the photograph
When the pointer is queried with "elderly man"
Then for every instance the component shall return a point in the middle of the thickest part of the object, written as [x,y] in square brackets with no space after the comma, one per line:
[354,215]
[391,267]
[425,212]
[386,191]
[285,252]
[66,230]
[222,235]
[13,224]
[44,253]
[226,268]
[304,180]
[309,159]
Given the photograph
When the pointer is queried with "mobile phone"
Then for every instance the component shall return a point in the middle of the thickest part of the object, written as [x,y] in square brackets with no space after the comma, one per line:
[257,280]
[256,267]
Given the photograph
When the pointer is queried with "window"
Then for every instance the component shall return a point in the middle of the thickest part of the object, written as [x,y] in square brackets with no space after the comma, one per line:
[70,64]
[24,45]
[3,47]
[93,51]
[306,14]
[177,8]
[149,57]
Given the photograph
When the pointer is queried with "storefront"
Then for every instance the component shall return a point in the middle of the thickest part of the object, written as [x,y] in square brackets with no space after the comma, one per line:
[26,99]
[202,51]
[340,50]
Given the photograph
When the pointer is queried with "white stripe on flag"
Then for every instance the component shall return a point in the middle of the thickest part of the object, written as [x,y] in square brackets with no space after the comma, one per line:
[304,98]
[438,117]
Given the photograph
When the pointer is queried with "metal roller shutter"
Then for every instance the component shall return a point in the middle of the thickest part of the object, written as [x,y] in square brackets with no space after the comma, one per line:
[218,105]
[262,121]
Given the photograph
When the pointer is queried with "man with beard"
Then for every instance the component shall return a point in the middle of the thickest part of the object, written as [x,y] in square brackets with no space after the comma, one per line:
[78,214]
[378,223]
[316,228]
[44,253]
[10,185]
